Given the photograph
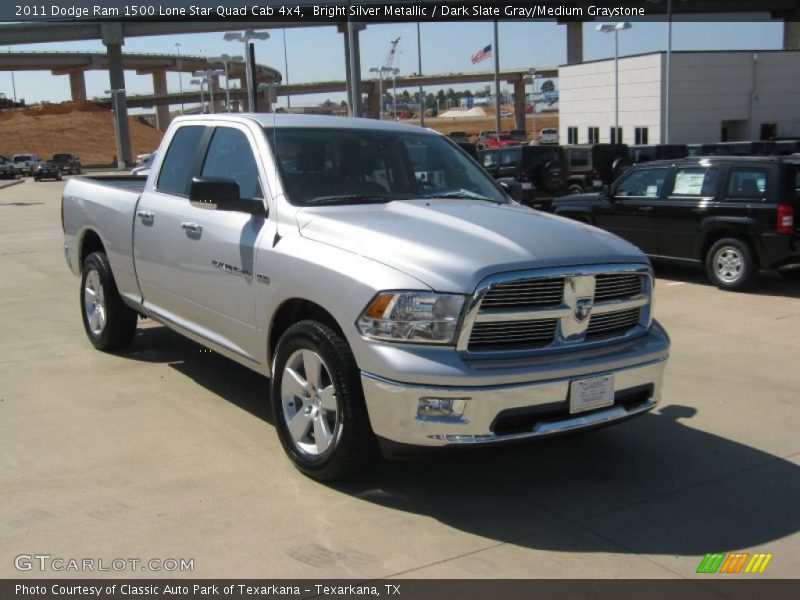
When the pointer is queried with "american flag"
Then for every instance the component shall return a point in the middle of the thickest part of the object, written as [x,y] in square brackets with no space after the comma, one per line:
[482,54]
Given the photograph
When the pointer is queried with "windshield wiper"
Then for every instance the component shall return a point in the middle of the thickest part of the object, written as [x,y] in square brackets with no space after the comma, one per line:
[349,199]
[464,194]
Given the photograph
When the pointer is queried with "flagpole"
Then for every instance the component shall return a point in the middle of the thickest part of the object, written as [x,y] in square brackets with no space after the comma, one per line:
[496,79]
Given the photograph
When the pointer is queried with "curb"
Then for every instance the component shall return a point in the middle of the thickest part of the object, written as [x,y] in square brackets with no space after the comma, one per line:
[5,184]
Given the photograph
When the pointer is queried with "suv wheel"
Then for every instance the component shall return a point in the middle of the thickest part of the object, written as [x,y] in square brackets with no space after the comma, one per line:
[730,264]
[318,403]
[109,323]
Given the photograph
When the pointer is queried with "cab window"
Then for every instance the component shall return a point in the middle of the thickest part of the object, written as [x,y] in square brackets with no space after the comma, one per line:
[230,156]
[177,166]
[697,182]
[644,183]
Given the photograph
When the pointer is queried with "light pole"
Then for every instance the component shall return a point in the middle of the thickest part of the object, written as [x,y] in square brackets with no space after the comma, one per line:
[394,71]
[115,104]
[379,71]
[421,92]
[532,77]
[246,36]
[226,60]
[208,77]
[615,28]
[180,73]
[200,82]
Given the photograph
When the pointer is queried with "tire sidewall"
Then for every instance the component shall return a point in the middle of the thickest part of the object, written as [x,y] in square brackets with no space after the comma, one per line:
[95,263]
[310,335]
[749,267]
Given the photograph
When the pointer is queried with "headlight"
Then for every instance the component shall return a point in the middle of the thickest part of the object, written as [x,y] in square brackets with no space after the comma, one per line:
[418,317]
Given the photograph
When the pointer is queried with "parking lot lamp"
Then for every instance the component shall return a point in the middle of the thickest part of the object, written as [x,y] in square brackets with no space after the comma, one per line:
[532,76]
[225,60]
[246,37]
[615,28]
[208,77]
[200,82]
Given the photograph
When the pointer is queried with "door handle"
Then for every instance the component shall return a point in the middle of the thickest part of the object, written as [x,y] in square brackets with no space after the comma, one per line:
[193,227]
[145,215]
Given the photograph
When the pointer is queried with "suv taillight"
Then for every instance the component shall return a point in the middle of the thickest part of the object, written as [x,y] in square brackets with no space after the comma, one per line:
[785,219]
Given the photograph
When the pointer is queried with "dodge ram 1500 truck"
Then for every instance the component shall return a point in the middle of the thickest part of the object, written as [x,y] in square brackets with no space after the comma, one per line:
[390,289]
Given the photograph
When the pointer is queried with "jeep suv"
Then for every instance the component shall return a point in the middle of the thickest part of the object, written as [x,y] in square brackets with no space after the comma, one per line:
[639,154]
[68,163]
[733,215]
[592,166]
[533,175]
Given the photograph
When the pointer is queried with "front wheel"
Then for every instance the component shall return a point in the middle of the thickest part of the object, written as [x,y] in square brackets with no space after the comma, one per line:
[109,323]
[730,264]
[318,403]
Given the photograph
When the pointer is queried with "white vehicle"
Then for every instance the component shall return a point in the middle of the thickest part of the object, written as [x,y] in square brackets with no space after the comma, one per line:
[548,136]
[25,163]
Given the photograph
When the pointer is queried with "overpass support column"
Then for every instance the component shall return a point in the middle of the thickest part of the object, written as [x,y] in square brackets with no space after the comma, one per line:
[574,42]
[791,32]
[519,105]
[219,93]
[77,85]
[113,40]
[160,89]
[373,102]
[353,78]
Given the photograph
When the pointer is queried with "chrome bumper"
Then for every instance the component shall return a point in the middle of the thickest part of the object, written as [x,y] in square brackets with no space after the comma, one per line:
[393,407]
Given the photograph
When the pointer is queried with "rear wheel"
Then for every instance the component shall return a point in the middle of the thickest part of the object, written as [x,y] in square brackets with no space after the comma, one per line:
[109,323]
[318,403]
[730,264]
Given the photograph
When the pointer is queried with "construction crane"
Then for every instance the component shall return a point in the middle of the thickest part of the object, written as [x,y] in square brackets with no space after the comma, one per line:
[387,67]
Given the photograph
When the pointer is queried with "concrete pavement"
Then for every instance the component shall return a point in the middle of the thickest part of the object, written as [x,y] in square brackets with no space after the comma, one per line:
[167,451]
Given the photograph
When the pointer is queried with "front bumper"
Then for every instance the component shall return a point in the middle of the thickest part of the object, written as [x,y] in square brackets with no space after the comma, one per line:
[514,412]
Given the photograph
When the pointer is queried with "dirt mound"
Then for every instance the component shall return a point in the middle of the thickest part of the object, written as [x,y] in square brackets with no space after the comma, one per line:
[83,128]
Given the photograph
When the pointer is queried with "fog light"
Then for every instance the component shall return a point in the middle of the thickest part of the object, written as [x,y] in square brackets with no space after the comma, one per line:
[441,408]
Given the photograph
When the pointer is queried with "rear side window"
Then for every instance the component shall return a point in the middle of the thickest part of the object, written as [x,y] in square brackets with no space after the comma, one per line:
[230,156]
[695,181]
[579,158]
[177,165]
[509,157]
[747,183]
[489,159]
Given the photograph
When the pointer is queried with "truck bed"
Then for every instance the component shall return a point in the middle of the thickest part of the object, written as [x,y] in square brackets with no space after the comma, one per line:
[129,183]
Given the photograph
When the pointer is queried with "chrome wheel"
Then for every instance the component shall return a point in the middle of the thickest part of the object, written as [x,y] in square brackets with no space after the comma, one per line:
[728,264]
[310,407]
[94,304]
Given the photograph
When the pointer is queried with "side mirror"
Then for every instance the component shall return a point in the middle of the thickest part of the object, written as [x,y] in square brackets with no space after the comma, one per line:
[220,193]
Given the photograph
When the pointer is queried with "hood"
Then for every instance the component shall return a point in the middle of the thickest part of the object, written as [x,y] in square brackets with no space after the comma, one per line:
[451,245]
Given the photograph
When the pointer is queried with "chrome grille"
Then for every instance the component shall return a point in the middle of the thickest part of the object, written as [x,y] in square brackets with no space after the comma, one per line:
[512,334]
[524,293]
[612,323]
[612,286]
[557,309]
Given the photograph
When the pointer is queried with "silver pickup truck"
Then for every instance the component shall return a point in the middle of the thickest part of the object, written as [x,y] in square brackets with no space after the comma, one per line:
[391,290]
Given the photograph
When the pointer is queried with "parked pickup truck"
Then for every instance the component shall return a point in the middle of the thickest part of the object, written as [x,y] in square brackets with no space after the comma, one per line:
[390,311]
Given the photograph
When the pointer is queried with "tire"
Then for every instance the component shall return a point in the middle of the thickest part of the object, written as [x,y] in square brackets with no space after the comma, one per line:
[730,264]
[303,410]
[618,167]
[549,177]
[575,188]
[109,323]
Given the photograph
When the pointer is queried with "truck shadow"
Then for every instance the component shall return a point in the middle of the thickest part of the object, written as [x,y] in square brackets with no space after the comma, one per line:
[653,485]
[768,283]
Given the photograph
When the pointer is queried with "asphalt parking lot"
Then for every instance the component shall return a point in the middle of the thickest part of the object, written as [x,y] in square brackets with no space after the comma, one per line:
[167,451]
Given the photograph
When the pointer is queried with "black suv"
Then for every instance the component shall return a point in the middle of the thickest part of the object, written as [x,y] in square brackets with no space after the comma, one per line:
[734,215]
[533,175]
[640,154]
[593,166]
[67,162]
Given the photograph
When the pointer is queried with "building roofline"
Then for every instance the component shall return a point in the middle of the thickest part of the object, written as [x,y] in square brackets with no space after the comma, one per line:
[640,54]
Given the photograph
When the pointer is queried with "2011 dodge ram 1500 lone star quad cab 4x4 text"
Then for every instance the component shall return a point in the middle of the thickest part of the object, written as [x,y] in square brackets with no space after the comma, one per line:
[391,290]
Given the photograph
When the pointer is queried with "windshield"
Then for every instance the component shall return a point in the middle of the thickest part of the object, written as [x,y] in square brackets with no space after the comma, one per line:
[355,166]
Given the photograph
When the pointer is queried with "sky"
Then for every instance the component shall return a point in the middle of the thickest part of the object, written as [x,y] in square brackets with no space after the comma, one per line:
[317,54]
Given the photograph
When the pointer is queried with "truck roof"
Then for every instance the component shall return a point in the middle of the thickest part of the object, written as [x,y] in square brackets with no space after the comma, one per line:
[281,120]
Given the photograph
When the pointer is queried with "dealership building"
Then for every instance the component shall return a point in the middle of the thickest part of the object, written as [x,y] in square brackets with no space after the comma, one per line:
[715,96]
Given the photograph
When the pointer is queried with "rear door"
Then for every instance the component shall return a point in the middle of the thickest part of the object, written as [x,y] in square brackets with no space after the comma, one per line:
[692,196]
[628,212]
[157,233]
[218,248]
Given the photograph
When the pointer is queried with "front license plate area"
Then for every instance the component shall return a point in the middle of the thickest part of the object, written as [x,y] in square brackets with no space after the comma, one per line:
[591,393]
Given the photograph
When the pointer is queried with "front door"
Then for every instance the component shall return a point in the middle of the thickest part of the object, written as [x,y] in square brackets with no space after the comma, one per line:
[628,212]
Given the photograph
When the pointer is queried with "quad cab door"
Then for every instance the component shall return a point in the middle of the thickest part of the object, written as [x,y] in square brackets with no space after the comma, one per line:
[197,266]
